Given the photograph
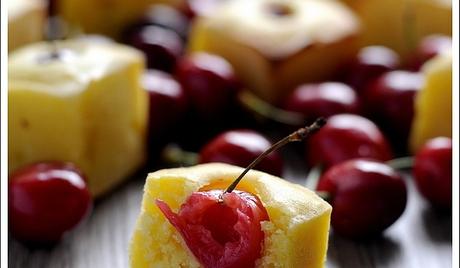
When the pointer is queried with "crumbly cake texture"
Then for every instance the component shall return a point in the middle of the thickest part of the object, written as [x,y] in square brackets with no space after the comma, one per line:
[295,236]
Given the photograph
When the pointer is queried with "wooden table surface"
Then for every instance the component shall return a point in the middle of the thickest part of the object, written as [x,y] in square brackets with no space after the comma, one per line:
[420,238]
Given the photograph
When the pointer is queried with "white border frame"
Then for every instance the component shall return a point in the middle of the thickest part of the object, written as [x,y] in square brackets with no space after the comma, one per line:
[4,137]
[456,141]
[4,133]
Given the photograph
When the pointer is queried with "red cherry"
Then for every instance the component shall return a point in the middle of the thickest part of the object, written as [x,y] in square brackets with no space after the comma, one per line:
[322,100]
[429,47]
[168,102]
[433,172]
[241,147]
[161,46]
[344,137]
[46,200]
[366,197]
[369,63]
[220,233]
[390,101]
[209,81]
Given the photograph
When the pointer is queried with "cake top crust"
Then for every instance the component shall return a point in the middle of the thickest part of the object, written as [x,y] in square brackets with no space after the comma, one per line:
[74,64]
[287,203]
[280,28]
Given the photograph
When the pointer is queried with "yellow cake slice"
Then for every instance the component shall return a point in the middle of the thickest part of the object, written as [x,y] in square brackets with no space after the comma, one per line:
[26,20]
[296,235]
[401,24]
[86,106]
[108,17]
[433,104]
[275,45]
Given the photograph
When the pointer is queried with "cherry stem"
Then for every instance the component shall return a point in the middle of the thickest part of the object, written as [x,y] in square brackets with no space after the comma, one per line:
[401,163]
[312,182]
[267,110]
[326,196]
[298,135]
[174,155]
[313,177]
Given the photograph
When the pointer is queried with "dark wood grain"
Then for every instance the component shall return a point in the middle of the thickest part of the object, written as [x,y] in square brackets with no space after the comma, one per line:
[420,238]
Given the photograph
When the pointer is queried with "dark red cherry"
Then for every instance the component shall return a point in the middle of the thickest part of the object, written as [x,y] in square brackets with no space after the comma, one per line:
[46,200]
[221,230]
[344,137]
[322,100]
[168,102]
[241,147]
[429,47]
[161,46]
[369,63]
[366,197]
[433,172]
[209,82]
[389,100]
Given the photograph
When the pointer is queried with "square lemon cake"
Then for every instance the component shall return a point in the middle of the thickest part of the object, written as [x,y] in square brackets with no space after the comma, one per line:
[78,101]
[295,236]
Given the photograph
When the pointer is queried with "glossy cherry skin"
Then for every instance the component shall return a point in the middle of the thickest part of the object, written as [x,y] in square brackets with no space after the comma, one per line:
[209,82]
[429,47]
[433,172]
[161,46]
[389,100]
[221,230]
[163,16]
[366,197]
[240,148]
[344,137]
[167,102]
[322,100]
[369,63]
[46,200]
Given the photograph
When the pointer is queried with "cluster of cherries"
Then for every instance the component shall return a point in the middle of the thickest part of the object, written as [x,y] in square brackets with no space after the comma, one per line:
[367,194]
[370,107]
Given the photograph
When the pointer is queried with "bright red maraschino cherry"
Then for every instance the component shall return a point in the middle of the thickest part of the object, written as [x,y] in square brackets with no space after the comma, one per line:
[366,197]
[369,63]
[222,228]
[46,200]
[161,46]
[433,172]
[220,234]
[345,137]
[324,99]
[389,100]
[428,48]
[209,81]
[240,148]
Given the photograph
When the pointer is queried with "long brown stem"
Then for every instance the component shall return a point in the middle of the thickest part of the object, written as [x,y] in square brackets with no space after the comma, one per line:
[298,135]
